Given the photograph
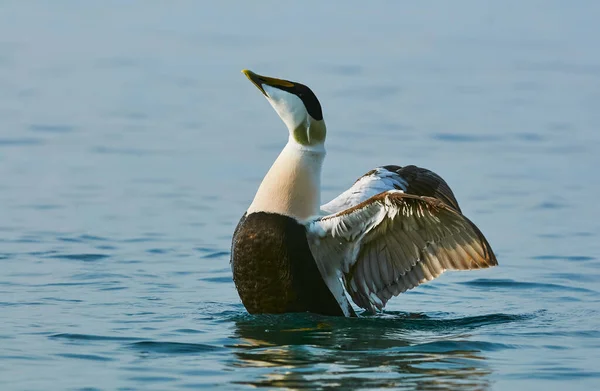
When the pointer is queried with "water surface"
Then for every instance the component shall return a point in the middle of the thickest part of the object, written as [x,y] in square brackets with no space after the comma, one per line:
[130,145]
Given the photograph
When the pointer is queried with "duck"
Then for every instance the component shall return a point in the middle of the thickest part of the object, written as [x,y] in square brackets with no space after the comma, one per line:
[394,229]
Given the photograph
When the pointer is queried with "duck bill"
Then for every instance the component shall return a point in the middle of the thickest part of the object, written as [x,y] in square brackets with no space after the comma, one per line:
[259,81]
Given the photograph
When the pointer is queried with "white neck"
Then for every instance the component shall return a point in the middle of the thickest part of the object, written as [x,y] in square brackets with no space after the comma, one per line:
[292,187]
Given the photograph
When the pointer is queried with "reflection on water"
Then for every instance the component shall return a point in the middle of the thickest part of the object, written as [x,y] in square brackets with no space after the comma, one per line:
[299,351]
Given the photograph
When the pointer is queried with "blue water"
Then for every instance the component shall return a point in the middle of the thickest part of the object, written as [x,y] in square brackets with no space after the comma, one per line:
[130,145]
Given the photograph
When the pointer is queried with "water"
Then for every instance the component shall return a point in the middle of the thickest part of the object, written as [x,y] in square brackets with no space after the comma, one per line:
[130,145]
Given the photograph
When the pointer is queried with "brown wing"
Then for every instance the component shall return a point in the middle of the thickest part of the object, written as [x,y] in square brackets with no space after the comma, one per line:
[423,182]
[393,242]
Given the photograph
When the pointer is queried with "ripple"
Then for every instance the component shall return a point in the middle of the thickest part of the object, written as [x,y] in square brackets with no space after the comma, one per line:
[86,257]
[25,357]
[591,334]
[574,258]
[562,373]
[224,279]
[92,357]
[153,379]
[61,300]
[468,322]
[457,345]
[512,284]
[82,238]
[189,331]
[68,284]
[28,239]
[20,303]
[397,321]
[159,250]
[91,337]
[173,347]
[209,254]
[18,142]
[98,275]
[551,205]
[106,247]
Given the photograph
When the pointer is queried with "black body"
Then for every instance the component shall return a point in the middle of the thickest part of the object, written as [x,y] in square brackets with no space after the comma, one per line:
[274,270]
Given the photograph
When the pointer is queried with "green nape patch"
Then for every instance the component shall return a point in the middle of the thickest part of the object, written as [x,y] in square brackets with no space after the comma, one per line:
[312,136]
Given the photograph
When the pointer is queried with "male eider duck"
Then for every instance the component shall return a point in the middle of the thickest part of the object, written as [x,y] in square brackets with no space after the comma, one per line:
[395,228]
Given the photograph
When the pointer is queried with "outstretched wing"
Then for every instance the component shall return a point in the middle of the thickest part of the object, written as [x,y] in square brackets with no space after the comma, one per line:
[393,242]
[409,179]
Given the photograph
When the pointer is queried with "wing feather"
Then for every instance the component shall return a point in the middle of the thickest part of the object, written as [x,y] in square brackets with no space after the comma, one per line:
[393,242]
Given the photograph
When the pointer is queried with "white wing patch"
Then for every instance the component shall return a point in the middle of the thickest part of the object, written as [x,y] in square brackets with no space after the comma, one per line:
[375,182]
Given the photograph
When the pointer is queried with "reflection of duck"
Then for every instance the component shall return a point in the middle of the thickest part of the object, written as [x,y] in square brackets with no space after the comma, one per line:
[394,229]
[301,352]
